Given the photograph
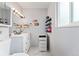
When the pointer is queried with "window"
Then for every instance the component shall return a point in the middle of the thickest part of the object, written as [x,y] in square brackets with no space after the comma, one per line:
[68,13]
[63,14]
[76,12]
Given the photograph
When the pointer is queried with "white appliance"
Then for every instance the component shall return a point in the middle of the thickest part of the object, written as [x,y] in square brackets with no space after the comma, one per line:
[20,44]
[43,42]
[4,41]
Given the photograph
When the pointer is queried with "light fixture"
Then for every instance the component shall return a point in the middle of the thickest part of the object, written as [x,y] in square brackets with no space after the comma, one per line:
[18,13]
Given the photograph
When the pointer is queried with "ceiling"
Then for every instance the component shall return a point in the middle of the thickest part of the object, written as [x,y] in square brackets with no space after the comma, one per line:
[33,4]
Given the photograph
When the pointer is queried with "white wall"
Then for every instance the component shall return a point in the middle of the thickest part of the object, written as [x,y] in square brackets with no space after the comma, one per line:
[66,41]
[31,14]
[51,13]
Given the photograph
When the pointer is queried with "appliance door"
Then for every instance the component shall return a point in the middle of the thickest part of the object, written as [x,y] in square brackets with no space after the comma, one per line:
[4,48]
[4,41]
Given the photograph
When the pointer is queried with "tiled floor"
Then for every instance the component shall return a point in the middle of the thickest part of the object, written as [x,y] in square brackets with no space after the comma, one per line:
[34,51]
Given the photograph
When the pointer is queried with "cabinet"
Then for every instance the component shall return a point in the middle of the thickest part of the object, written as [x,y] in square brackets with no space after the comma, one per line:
[20,43]
[43,42]
[4,41]
[4,48]
[5,14]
